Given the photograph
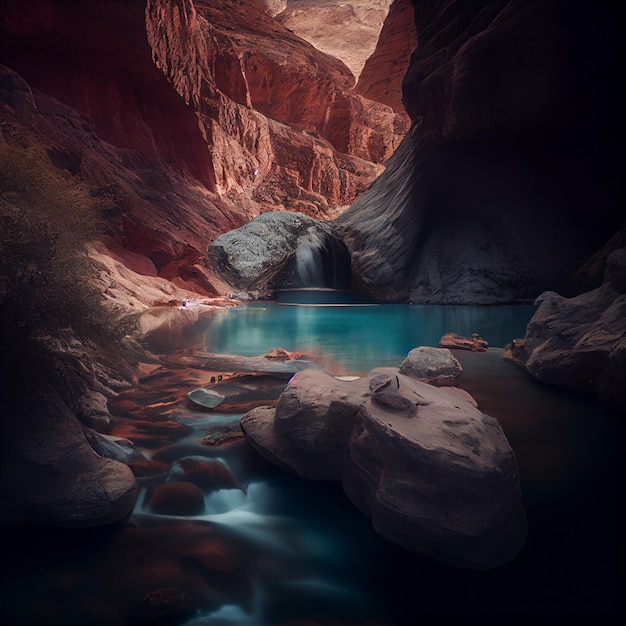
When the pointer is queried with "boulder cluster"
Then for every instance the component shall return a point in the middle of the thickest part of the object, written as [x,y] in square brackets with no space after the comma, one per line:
[433,472]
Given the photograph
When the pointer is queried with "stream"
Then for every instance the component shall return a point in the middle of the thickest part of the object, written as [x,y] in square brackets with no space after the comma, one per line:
[287,551]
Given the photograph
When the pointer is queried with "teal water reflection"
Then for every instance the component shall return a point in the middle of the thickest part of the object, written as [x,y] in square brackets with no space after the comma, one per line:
[357,337]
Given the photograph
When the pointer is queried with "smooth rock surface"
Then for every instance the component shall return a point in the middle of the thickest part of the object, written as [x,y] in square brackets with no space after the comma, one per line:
[442,481]
[51,476]
[436,366]
[487,198]
[580,343]
[206,473]
[206,397]
[178,498]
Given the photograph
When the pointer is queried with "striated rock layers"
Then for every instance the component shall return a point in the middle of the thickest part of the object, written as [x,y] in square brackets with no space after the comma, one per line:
[285,127]
[248,117]
[489,197]
[105,117]
[580,343]
[433,473]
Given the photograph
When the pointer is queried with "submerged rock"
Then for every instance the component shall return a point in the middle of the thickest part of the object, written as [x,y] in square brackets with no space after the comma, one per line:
[437,476]
[179,498]
[206,473]
[475,343]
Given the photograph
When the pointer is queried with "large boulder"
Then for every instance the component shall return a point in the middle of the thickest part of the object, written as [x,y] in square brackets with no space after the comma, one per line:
[580,343]
[436,366]
[52,477]
[282,249]
[433,473]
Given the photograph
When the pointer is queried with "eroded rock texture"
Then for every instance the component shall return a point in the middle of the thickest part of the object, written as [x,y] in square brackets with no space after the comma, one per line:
[488,198]
[286,128]
[346,30]
[283,249]
[433,473]
[107,119]
[248,118]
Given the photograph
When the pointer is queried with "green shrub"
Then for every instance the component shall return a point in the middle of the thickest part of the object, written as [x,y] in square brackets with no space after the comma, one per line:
[46,279]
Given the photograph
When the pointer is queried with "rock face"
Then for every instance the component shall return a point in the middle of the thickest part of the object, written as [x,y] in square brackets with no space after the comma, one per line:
[232,134]
[580,343]
[487,198]
[381,78]
[157,216]
[282,250]
[475,343]
[269,145]
[52,477]
[434,474]
[346,30]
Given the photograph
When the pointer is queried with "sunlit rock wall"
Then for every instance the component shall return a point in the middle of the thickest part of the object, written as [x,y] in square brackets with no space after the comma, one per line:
[248,118]
[285,127]
[344,29]
[383,73]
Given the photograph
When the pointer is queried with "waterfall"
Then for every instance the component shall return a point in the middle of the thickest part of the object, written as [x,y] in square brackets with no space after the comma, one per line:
[322,261]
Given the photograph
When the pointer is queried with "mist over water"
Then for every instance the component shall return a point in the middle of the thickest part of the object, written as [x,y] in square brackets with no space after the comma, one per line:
[307,547]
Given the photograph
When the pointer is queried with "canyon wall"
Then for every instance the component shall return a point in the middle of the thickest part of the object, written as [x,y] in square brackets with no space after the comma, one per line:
[285,126]
[109,120]
[197,117]
[248,118]
[508,180]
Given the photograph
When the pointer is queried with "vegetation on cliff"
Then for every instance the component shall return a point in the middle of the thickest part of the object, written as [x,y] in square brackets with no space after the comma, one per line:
[47,292]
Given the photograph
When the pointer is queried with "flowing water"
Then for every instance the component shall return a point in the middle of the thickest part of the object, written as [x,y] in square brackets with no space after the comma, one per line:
[309,553]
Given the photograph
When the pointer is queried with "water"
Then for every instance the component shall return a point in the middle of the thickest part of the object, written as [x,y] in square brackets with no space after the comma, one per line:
[322,261]
[355,337]
[304,542]
[305,551]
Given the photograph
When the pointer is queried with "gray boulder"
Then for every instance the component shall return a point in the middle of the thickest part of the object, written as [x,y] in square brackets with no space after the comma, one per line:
[283,249]
[433,473]
[436,366]
[580,343]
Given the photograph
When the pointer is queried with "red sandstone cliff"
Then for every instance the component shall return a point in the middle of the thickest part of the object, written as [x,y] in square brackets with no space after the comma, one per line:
[250,118]
[123,132]
[345,29]
[381,78]
[285,126]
